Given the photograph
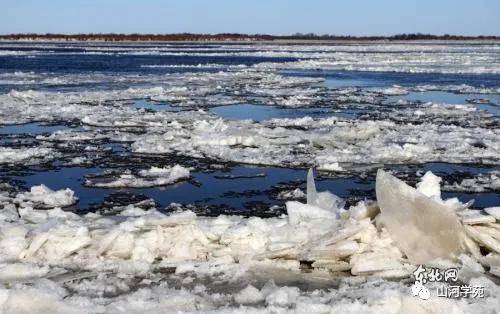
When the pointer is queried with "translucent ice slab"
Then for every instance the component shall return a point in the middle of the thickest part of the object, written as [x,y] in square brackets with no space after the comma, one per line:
[423,228]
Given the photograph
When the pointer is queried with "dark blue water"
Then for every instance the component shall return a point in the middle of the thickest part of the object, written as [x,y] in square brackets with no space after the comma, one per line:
[68,177]
[84,63]
[111,60]
[441,97]
[30,128]
[250,183]
[242,185]
[154,106]
[445,97]
[263,112]
[339,78]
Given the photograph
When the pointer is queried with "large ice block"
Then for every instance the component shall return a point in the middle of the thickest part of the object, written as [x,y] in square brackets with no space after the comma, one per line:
[422,228]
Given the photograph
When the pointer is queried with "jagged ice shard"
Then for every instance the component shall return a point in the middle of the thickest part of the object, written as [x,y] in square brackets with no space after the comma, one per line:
[324,200]
[422,228]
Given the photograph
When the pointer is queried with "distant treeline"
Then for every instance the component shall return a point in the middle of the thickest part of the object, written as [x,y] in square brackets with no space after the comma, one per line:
[230,37]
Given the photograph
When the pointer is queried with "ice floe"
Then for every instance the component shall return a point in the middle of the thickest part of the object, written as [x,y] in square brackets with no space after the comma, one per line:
[25,155]
[480,183]
[43,195]
[154,176]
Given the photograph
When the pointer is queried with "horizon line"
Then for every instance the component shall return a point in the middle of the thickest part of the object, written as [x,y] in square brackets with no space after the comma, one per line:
[297,35]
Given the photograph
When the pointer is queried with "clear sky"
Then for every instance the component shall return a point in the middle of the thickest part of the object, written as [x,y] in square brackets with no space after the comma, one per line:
[348,17]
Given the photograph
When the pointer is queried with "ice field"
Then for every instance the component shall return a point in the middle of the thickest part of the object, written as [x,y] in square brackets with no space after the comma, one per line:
[155,178]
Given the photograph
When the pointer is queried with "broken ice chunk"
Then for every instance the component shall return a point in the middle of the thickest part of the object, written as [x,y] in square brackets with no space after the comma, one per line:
[493,261]
[146,178]
[339,250]
[423,228]
[493,211]
[249,295]
[46,197]
[429,185]
[311,188]
[473,217]
[483,238]
[332,265]
[364,209]
[472,247]
[294,194]
[21,271]
[298,212]
[324,200]
[284,296]
[174,219]
[372,262]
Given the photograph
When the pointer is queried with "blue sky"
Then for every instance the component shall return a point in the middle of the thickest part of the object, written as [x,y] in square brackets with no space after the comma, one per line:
[354,17]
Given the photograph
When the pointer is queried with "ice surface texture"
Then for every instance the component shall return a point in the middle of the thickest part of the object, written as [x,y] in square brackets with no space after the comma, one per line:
[423,228]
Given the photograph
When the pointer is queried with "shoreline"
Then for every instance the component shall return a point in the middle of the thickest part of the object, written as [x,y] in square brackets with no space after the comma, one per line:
[263,42]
